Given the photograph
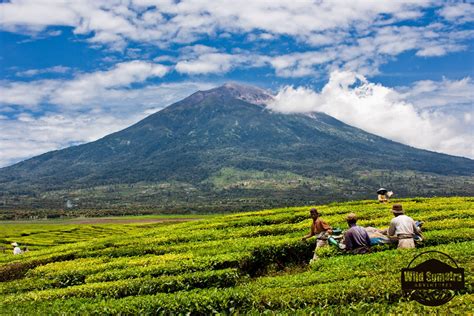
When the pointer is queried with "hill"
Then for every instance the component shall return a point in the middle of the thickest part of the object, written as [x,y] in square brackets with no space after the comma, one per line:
[242,263]
[223,149]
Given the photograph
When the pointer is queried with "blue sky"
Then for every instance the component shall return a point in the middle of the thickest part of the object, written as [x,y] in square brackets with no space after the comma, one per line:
[75,71]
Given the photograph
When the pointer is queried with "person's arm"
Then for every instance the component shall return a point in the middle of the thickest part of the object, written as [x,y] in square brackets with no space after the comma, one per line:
[311,234]
[391,229]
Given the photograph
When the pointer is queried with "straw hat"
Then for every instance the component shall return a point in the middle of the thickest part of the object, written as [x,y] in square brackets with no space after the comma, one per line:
[14,244]
[397,209]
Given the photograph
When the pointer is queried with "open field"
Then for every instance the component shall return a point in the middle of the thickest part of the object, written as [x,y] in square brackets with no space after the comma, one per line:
[241,263]
[38,234]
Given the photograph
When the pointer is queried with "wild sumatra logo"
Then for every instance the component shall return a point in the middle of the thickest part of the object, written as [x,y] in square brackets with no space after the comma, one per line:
[433,280]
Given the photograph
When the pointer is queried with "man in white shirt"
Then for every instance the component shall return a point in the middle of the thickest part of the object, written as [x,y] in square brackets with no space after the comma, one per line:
[16,249]
[403,228]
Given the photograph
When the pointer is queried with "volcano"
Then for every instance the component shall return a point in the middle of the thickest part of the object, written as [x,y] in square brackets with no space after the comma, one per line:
[223,148]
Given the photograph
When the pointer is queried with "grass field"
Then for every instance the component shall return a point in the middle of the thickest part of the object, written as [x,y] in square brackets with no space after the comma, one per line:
[240,263]
[39,234]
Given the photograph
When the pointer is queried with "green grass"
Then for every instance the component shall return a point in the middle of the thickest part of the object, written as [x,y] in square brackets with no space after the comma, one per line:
[39,234]
[251,262]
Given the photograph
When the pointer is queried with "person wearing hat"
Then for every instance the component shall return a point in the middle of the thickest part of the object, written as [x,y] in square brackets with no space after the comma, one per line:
[320,228]
[403,228]
[383,195]
[16,249]
[356,239]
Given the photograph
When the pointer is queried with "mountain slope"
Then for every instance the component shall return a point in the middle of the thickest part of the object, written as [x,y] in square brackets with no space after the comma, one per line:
[210,132]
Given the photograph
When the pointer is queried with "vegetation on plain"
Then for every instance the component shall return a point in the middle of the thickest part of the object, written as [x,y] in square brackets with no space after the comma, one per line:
[252,262]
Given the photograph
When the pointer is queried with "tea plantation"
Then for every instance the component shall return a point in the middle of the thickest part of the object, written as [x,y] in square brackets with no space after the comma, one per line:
[237,264]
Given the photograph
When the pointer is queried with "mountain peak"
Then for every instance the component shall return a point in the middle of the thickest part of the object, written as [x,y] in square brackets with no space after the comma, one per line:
[213,151]
[242,92]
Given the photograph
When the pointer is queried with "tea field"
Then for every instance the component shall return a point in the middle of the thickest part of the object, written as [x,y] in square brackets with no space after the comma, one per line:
[39,234]
[245,263]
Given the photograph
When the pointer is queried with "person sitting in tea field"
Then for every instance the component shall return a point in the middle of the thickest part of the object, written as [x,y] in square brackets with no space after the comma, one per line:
[356,239]
[320,228]
[403,228]
[16,249]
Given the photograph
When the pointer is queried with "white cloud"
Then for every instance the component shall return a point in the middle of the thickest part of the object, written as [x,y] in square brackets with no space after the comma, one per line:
[197,50]
[28,136]
[34,72]
[365,54]
[355,35]
[83,88]
[36,15]
[460,12]
[88,87]
[207,63]
[27,94]
[302,64]
[443,94]
[159,22]
[218,63]
[386,112]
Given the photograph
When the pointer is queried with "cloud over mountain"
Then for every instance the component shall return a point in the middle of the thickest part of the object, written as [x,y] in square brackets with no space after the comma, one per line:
[385,111]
